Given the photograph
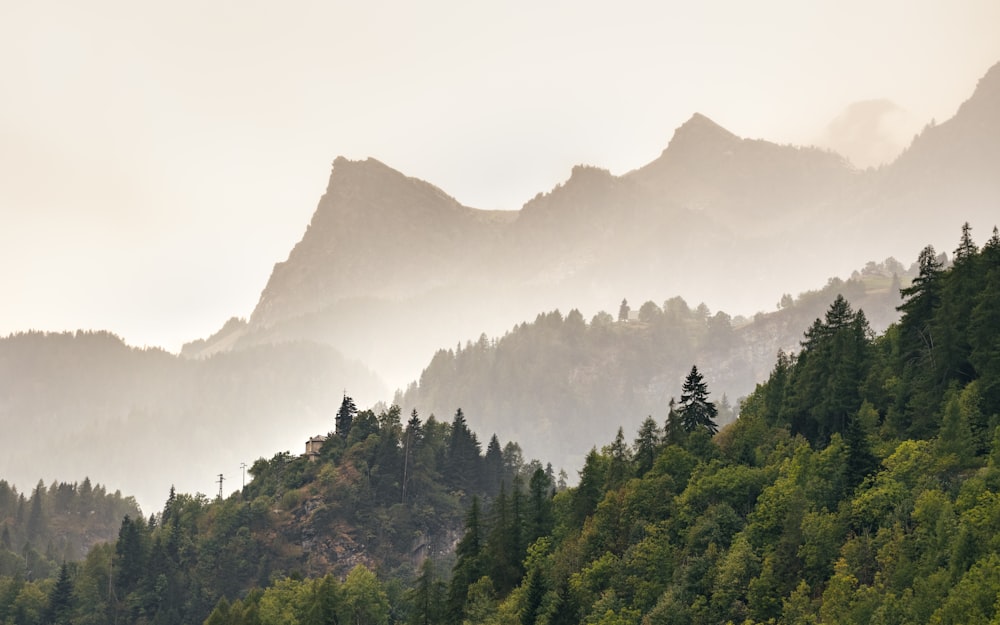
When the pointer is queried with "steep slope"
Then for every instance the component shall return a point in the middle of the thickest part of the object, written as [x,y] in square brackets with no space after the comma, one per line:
[951,168]
[376,233]
[391,268]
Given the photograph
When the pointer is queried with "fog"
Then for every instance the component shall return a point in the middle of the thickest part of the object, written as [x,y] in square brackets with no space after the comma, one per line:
[158,165]
[159,160]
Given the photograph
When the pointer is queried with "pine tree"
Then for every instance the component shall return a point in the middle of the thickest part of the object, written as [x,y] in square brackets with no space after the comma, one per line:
[646,444]
[591,488]
[696,412]
[413,437]
[60,606]
[492,467]
[464,464]
[425,597]
[966,247]
[502,551]
[469,565]
[540,515]
[673,431]
[917,351]
[36,522]
[345,416]
[620,467]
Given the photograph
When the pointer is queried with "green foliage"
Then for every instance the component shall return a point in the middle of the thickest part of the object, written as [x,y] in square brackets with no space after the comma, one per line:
[605,374]
[854,488]
[695,411]
[861,484]
[56,524]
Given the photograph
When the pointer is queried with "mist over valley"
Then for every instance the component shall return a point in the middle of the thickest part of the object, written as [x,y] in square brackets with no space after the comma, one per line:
[530,314]
[391,270]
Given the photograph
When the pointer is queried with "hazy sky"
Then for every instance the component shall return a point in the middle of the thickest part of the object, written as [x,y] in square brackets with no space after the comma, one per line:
[156,159]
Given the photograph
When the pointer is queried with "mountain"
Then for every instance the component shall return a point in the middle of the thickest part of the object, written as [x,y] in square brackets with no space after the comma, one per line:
[552,384]
[861,484]
[391,268]
[950,167]
[143,419]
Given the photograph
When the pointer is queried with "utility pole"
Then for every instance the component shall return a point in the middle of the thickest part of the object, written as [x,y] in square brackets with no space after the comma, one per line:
[221,479]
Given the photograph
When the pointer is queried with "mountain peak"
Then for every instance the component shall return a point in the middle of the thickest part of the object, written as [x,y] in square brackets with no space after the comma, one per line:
[701,130]
[986,98]
[345,168]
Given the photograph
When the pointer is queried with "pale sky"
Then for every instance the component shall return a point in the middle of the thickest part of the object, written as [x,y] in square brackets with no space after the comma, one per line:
[156,159]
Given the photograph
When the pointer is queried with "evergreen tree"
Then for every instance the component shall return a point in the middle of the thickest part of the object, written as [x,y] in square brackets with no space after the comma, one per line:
[345,416]
[535,594]
[60,605]
[464,464]
[493,473]
[36,522]
[620,466]
[425,597]
[673,430]
[984,337]
[966,247]
[919,388]
[412,439]
[591,487]
[646,445]
[824,385]
[131,552]
[469,565]
[696,412]
[388,457]
[168,506]
[623,311]
[540,514]
[502,552]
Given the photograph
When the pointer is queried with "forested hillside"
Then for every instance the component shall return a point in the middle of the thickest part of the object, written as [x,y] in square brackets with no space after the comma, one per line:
[728,220]
[56,523]
[379,494]
[561,383]
[860,484]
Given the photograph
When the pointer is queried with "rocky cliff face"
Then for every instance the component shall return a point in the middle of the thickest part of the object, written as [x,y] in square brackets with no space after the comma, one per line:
[376,233]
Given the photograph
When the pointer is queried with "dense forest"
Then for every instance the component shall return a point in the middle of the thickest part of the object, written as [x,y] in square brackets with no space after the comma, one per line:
[379,494]
[615,370]
[56,523]
[860,484]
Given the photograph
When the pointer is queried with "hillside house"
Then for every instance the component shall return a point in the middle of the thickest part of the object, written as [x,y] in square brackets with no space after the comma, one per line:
[313,445]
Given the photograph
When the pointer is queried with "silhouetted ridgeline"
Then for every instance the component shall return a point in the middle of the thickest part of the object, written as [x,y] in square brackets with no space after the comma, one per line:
[553,383]
[717,218]
[80,401]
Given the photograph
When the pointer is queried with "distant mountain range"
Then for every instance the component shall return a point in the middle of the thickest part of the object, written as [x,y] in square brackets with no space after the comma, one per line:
[391,268]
